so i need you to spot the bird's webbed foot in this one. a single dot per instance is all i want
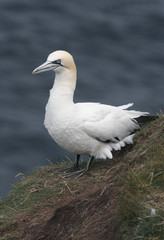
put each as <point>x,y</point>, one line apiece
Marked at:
<point>74,168</point>
<point>76,174</point>
<point>70,169</point>
<point>80,172</point>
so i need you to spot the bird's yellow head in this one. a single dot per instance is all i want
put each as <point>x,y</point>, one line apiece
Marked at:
<point>57,61</point>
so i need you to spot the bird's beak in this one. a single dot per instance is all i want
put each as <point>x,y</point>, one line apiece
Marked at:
<point>47,66</point>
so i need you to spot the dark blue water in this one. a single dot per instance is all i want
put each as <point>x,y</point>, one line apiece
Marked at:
<point>118,47</point>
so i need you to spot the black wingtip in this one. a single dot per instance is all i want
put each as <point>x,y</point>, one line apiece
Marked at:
<point>145,119</point>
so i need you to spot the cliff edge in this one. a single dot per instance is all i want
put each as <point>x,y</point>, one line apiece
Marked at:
<point>122,198</point>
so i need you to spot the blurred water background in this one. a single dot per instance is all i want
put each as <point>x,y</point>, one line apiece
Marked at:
<point>118,46</point>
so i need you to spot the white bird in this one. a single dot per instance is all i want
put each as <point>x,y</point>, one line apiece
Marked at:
<point>84,128</point>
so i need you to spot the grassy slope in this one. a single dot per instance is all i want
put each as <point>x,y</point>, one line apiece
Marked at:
<point>118,199</point>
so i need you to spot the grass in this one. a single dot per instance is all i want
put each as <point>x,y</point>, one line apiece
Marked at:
<point>27,196</point>
<point>140,208</point>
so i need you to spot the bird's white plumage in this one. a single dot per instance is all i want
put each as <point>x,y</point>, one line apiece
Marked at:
<point>84,128</point>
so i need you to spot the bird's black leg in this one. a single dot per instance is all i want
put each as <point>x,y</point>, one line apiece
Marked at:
<point>81,172</point>
<point>75,166</point>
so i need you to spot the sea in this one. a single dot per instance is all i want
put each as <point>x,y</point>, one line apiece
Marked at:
<point>118,47</point>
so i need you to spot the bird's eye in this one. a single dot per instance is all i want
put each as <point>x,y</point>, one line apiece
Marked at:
<point>58,61</point>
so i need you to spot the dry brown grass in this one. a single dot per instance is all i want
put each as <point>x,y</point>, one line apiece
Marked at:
<point>113,201</point>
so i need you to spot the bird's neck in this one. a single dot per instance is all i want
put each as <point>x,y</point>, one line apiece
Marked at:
<point>63,89</point>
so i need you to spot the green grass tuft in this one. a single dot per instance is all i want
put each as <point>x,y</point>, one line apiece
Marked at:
<point>27,196</point>
<point>141,210</point>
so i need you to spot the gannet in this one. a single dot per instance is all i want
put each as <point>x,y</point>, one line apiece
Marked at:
<point>84,128</point>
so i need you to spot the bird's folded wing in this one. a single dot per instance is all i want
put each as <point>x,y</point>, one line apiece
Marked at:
<point>114,126</point>
<point>108,123</point>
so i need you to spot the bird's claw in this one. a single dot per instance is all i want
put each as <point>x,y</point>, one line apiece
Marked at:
<point>67,170</point>
<point>76,174</point>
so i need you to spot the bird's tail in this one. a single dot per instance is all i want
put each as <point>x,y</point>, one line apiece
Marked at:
<point>132,113</point>
<point>136,114</point>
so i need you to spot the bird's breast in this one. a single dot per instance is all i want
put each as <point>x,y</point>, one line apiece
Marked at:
<point>62,126</point>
